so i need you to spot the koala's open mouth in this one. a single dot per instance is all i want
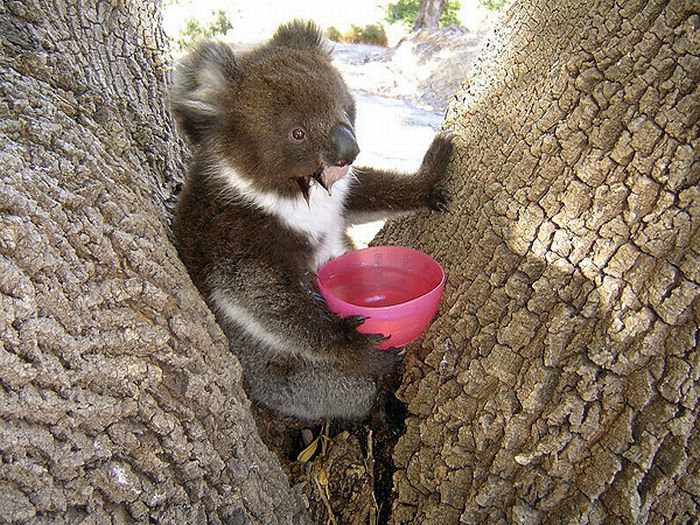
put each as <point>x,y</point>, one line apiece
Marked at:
<point>326,176</point>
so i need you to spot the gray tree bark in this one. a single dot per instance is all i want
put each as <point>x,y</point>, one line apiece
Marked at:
<point>429,12</point>
<point>119,399</point>
<point>559,383</point>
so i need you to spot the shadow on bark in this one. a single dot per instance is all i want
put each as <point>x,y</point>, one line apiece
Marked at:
<point>559,382</point>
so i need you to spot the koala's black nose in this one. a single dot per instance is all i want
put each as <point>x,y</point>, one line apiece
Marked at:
<point>345,148</point>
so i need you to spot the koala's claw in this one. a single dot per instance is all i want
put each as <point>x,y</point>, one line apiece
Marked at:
<point>317,297</point>
<point>370,360</point>
<point>355,320</point>
<point>393,350</point>
<point>439,200</point>
<point>377,339</point>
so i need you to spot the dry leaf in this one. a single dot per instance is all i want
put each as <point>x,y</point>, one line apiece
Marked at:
<point>306,454</point>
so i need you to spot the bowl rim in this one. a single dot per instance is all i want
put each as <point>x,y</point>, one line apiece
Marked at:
<point>325,291</point>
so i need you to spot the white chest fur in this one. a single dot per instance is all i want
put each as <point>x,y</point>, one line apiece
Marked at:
<point>321,220</point>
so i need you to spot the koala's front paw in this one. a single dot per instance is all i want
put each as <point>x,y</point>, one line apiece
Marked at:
<point>363,357</point>
<point>438,199</point>
<point>438,156</point>
<point>434,169</point>
<point>346,327</point>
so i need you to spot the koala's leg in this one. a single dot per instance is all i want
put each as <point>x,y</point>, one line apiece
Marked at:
<point>379,193</point>
<point>311,392</point>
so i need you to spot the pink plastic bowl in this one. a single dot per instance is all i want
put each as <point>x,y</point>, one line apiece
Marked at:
<point>398,289</point>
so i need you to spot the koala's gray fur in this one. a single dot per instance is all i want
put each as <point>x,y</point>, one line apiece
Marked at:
<point>272,131</point>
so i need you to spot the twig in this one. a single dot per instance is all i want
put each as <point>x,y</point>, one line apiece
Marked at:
<point>322,492</point>
<point>369,465</point>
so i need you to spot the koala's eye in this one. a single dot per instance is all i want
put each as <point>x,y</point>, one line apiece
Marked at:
<point>298,134</point>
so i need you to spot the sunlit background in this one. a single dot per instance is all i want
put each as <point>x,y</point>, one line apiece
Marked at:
<point>253,20</point>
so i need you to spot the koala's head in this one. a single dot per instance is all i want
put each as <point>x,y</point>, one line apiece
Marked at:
<point>280,115</point>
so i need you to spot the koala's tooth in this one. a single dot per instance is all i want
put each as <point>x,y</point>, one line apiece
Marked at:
<point>328,184</point>
<point>304,185</point>
<point>323,182</point>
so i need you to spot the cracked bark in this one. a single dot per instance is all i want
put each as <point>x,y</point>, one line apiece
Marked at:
<point>559,383</point>
<point>119,399</point>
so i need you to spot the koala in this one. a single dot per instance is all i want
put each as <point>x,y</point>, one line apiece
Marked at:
<point>267,199</point>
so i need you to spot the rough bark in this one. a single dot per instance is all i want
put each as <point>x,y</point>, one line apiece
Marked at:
<point>119,399</point>
<point>559,383</point>
<point>428,16</point>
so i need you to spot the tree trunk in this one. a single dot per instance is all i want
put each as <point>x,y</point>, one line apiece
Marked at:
<point>559,383</point>
<point>429,12</point>
<point>119,398</point>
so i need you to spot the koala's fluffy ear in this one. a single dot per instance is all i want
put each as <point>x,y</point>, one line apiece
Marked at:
<point>302,35</point>
<point>197,84</point>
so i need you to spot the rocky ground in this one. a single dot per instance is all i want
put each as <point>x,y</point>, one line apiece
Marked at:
<point>425,69</point>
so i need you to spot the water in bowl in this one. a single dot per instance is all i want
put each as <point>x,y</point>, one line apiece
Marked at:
<point>373,287</point>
